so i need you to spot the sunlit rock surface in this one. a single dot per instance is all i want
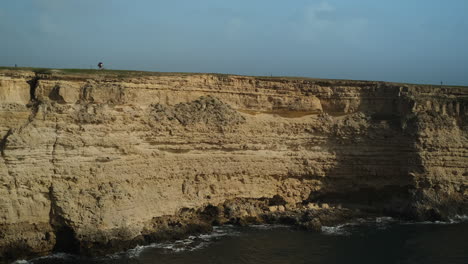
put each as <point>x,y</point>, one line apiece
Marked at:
<point>92,160</point>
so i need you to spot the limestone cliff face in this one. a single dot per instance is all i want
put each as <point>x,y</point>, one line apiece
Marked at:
<point>88,160</point>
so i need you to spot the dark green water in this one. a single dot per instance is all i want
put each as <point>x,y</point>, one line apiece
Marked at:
<point>380,241</point>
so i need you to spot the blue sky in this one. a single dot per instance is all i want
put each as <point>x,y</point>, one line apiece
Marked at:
<point>420,41</point>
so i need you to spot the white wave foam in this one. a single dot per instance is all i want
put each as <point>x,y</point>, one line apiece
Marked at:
<point>191,243</point>
<point>338,230</point>
<point>54,256</point>
<point>459,218</point>
<point>58,256</point>
<point>131,253</point>
<point>21,261</point>
<point>268,227</point>
<point>385,219</point>
<point>384,222</point>
<point>455,220</point>
<point>346,229</point>
<point>434,222</point>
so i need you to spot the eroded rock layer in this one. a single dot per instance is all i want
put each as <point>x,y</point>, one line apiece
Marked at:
<point>89,161</point>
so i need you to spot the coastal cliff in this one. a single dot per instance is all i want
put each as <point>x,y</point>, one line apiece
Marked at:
<point>95,161</point>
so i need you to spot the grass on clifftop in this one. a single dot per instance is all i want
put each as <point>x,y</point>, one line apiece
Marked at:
<point>131,73</point>
<point>114,73</point>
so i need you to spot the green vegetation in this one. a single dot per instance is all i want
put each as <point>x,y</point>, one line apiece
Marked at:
<point>130,73</point>
<point>114,73</point>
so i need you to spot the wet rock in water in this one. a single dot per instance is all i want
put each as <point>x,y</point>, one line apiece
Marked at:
<point>312,225</point>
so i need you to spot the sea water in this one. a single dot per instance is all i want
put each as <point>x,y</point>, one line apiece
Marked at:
<point>381,240</point>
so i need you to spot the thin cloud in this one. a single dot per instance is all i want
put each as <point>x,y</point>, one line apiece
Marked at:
<point>46,25</point>
<point>60,18</point>
<point>234,27</point>
<point>322,22</point>
<point>319,17</point>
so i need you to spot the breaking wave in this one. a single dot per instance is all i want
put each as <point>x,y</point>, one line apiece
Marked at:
<point>268,226</point>
<point>347,229</point>
<point>57,256</point>
<point>191,243</point>
<point>381,223</point>
<point>201,241</point>
<point>339,230</point>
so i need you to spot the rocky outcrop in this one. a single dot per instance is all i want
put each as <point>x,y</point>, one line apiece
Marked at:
<point>101,161</point>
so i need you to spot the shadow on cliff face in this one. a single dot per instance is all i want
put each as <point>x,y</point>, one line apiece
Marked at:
<point>440,190</point>
<point>33,83</point>
<point>65,237</point>
<point>55,95</point>
<point>373,162</point>
<point>375,156</point>
<point>382,163</point>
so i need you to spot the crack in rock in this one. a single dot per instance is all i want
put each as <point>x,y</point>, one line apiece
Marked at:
<point>54,147</point>
<point>4,141</point>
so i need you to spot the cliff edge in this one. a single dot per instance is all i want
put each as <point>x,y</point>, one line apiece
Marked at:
<point>92,162</point>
